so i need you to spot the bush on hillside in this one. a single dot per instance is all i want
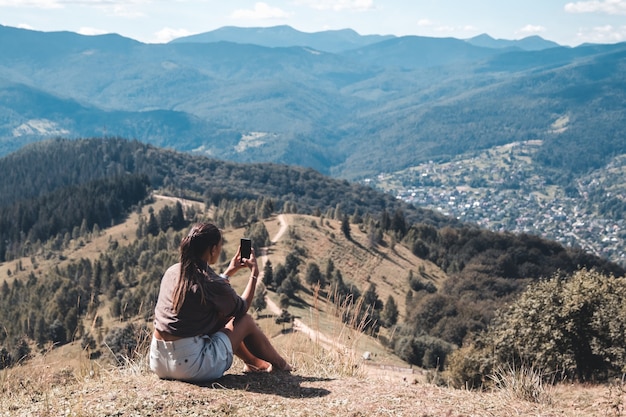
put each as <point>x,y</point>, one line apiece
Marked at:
<point>126,342</point>
<point>567,328</point>
<point>425,351</point>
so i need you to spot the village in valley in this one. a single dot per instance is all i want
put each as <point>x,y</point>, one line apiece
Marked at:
<point>501,190</point>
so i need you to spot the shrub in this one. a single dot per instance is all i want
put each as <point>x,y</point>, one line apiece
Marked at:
<point>574,327</point>
<point>466,367</point>
<point>126,342</point>
<point>6,360</point>
<point>425,351</point>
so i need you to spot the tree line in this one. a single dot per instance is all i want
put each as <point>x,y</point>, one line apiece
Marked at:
<point>101,202</point>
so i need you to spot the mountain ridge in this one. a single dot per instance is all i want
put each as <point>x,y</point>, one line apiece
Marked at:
<point>529,43</point>
<point>286,36</point>
<point>299,97</point>
<point>340,40</point>
<point>382,108</point>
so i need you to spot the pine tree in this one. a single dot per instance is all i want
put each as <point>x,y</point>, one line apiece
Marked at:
<point>314,275</point>
<point>6,360</point>
<point>389,315</point>
<point>280,274</point>
<point>330,269</point>
<point>345,227</point>
<point>5,289</point>
<point>291,263</point>
<point>258,302</point>
<point>268,274</point>
<point>370,298</point>
<point>165,218</point>
<point>152,227</point>
<point>178,217</point>
<point>398,223</point>
<point>337,214</point>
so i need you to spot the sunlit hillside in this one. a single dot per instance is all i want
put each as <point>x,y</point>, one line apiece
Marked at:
<point>331,377</point>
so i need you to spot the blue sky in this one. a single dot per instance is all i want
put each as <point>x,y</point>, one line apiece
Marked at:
<point>566,22</point>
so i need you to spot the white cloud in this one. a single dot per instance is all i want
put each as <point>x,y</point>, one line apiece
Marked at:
<point>613,7</point>
<point>121,8</point>
<point>261,11</point>
<point>532,29</point>
<point>603,34</point>
<point>25,26</point>
<point>38,4</point>
<point>338,5</point>
<point>56,4</point>
<point>469,28</point>
<point>444,29</point>
<point>89,31</point>
<point>424,23</point>
<point>167,34</point>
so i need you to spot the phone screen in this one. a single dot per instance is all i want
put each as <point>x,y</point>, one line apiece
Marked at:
<point>246,248</point>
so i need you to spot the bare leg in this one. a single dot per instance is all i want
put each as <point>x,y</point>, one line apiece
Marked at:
<point>244,331</point>
<point>254,363</point>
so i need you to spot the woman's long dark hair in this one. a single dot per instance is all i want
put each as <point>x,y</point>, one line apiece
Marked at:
<point>201,237</point>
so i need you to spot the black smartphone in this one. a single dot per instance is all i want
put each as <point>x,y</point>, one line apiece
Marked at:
<point>246,248</point>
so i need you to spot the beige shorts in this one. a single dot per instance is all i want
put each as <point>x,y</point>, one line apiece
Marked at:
<point>192,359</point>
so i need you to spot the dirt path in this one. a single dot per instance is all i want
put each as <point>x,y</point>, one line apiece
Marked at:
<point>298,325</point>
<point>318,336</point>
<point>283,228</point>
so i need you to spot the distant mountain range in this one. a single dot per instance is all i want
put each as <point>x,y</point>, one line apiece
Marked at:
<point>530,43</point>
<point>347,105</point>
<point>286,36</point>
<point>336,40</point>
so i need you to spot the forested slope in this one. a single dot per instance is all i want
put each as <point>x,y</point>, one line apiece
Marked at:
<point>102,181</point>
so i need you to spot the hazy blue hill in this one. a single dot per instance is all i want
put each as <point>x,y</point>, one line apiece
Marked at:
<point>420,52</point>
<point>530,43</point>
<point>167,76</point>
<point>381,107</point>
<point>208,91</point>
<point>535,43</point>
<point>35,113</point>
<point>286,36</point>
<point>584,85</point>
<point>30,102</point>
<point>46,47</point>
<point>519,61</point>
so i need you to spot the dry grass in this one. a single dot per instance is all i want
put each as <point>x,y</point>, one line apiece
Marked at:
<point>525,383</point>
<point>359,263</point>
<point>327,381</point>
<point>317,388</point>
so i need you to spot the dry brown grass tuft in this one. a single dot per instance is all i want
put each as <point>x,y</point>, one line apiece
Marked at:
<point>523,383</point>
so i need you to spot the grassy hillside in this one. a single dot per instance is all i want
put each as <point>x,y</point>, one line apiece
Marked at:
<point>321,240</point>
<point>49,387</point>
<point>329,379</point>
<point>93,285</point>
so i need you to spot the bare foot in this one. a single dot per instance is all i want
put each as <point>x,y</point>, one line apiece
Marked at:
<point>248,368</point>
